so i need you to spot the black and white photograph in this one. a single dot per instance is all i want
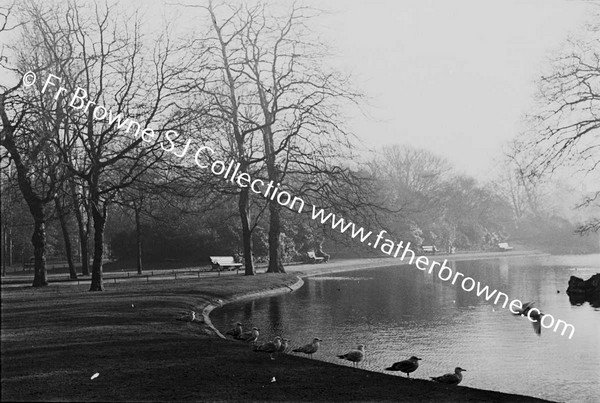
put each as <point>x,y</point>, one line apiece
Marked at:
<point>300,200</point>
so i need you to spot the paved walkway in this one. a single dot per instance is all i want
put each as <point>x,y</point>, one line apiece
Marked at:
<point>304,269</point>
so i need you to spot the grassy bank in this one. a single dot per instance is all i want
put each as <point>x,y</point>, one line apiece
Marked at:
<point>54,339</point>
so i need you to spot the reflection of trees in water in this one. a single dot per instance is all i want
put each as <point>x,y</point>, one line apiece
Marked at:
<point>275,316</point>
<point>503,269</point>
<point>314,289</point>
<point>248,310</point>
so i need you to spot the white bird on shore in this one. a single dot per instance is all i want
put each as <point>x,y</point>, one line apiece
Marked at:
<point>406,366</point>
<point>270,347</point>
<point>236,331</point>
<point>450,379</point>
<point>355,356</point>
<point>250,336</point>
<point>284,346</point>
<point>310,348</point>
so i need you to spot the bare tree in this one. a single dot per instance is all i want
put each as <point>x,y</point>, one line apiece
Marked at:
<point>566,130</point>
<point>34,157</point>
<point>104,77</point>
<point>27,138</point>
<point>62,212</point>
<point>411,179</point>
<point>227,96</point>
<point>280,90</point>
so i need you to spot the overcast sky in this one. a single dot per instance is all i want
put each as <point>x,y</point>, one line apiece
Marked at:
<point>455,77</point>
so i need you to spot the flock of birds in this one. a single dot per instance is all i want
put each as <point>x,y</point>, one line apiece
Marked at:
<point>281,345</point>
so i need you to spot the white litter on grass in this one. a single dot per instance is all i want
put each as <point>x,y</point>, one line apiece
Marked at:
<point>273,380</point>
<point>96,375</point>
<point>132,306</point>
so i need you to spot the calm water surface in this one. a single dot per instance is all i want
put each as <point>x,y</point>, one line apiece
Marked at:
<point>401,311</point>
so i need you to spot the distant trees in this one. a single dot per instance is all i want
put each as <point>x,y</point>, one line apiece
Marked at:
<point>428,203</point>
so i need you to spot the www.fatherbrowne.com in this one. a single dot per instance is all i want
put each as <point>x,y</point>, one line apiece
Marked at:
<point>230,172</point>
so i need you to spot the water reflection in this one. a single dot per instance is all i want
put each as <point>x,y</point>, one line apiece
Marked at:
<point>400,311</point>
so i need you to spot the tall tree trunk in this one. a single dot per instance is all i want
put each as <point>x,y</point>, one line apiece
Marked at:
<point>83,232</point>
<point>243,205</point>
<point>99,216</point>
<point>38,239</point>
<point>34,201</point>
<point>138,233</point>
<point>4,248</point>
<point>243,202</point>
<point>65,230</point>
<point>275,265</point>
<point>88,231</point>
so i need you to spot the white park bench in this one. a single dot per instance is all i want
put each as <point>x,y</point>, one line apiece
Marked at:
<point>504,246</point>
<point>224,263</point>
<point>429,249</point>
<point>314,258</point>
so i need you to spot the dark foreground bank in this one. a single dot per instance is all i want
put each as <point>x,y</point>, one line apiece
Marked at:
<point>138,338</point>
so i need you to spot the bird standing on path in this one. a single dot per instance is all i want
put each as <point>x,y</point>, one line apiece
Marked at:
<point>450,379</point>
<point>355,356</point>
<point>406,366</point>
<point>237,331</point>
<point>310,348</point>
<point>270,347</point>
<point>251,336</point>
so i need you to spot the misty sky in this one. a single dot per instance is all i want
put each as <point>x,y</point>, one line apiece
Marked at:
<point>455,77</point>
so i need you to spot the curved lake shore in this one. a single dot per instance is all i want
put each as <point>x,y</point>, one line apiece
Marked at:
<point>139,338</point>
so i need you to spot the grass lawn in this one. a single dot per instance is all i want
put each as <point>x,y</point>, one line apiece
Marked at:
<point>55,338</point>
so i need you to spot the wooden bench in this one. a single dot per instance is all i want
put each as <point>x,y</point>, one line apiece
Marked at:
<point>312,258</point>
<point>224,262</point>
<point>504,246</point>
<point>429,249</point>
<point>29,264</point>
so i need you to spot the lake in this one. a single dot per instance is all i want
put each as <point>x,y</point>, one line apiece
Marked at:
<point>397,312</point>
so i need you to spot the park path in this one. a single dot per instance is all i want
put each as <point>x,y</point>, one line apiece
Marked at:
<point>303,269</point>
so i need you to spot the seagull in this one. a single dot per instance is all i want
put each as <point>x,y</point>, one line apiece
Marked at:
<point>250,336</point>
<point>236,331</point>
<point>309,349</point>
<point>450,379</point>
<point>524,309</point>
<point>535,315</point>
<point>270,347</point>
<point>355,356</point>
<point>284,346</point>
<point>406,366</point>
